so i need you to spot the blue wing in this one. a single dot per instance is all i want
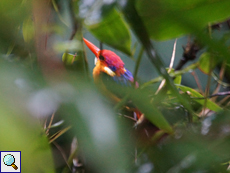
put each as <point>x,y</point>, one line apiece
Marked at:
<point>125,80</point>
<point>117,83</point>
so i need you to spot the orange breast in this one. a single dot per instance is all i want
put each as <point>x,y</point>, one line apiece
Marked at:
<point>96,75</point>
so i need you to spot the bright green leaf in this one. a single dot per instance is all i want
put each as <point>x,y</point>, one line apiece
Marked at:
<point>178,79</point>
<point>207,62</point>
<point>68,58</point>
<point>28,30</point>
<point>209,104</point>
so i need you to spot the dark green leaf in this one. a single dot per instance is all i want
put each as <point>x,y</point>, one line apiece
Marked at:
<point>165,19</point>
<point>141,100</point>
<point>137,25</point>
<point>113,31</point>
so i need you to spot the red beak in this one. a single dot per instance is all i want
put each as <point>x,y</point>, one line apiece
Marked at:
<point>92,47</point>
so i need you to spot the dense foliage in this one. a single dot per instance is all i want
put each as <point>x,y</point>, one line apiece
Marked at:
<point>54,114</point>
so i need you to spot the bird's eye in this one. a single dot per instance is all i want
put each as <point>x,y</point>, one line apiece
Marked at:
<point>101,58</point>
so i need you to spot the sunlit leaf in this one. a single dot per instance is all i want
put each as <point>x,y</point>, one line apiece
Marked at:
<point>166,19</point>
<point>178,79</point>
<point>28,30</point>
<point>207,62</point>
<point>68,58</point>
<point>209,104</point>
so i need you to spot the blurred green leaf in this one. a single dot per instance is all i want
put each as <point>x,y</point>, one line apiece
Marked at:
<point>207,62</point>
<point>178,79</point>
<point>21,132</point>
<point>165,19</point>
<point>190,151</point>
<point>100,134</point>
<point>28,30</point>
<point>112,30</point>
<point>141,100</point>
<point>209,104</point>
<point>143,103</point>
<point>72,45</point>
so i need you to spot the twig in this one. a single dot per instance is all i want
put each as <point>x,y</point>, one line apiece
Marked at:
<point>50,123</point>
<point>213,95</point>
<point>170,66</point>
<point>58,134</point>
<point>215,77</point>
<point>62,153</point>
<point>197,82</point>
<point>189,54</point>
<point>221,76</point>
<point>223,100</point>
<point>207,88</point>
<point>137,65</point>
<point>172,74</point>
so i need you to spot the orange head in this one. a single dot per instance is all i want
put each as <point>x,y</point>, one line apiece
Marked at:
<point>106,61</point>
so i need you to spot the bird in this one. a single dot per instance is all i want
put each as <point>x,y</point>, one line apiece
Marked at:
<point>109,66</point>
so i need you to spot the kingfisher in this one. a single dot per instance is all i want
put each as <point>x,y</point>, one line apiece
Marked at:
<point>108,64</point>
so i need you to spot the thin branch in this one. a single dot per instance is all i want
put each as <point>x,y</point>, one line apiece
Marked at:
<point>213,95</point>
<point>62,153</point>
<point>208,87</point>
<point>197,82</point>
<point>170,66</point>
<point>215,77</point>
<point>189,54</point>
<point>137,65</point>
<point>221,76</point>
<point>172,74</point>
<point>50,123</point>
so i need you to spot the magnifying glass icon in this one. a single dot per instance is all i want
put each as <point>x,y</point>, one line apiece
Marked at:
<point>9,160</point>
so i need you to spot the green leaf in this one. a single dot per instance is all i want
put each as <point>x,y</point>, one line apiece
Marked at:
<point>171,18</point>
<point>22,133</point>
<point>99,132</point>
<point>178,79</point>
<point>207,62</point>
<point>209,104</point>
<point>142,101</point>
<point>68,58</point>
<point>113,31</point>
<point>28,30</point>
<point>139,29</point>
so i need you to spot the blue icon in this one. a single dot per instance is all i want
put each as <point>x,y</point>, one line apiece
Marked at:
<point>9,160</point>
